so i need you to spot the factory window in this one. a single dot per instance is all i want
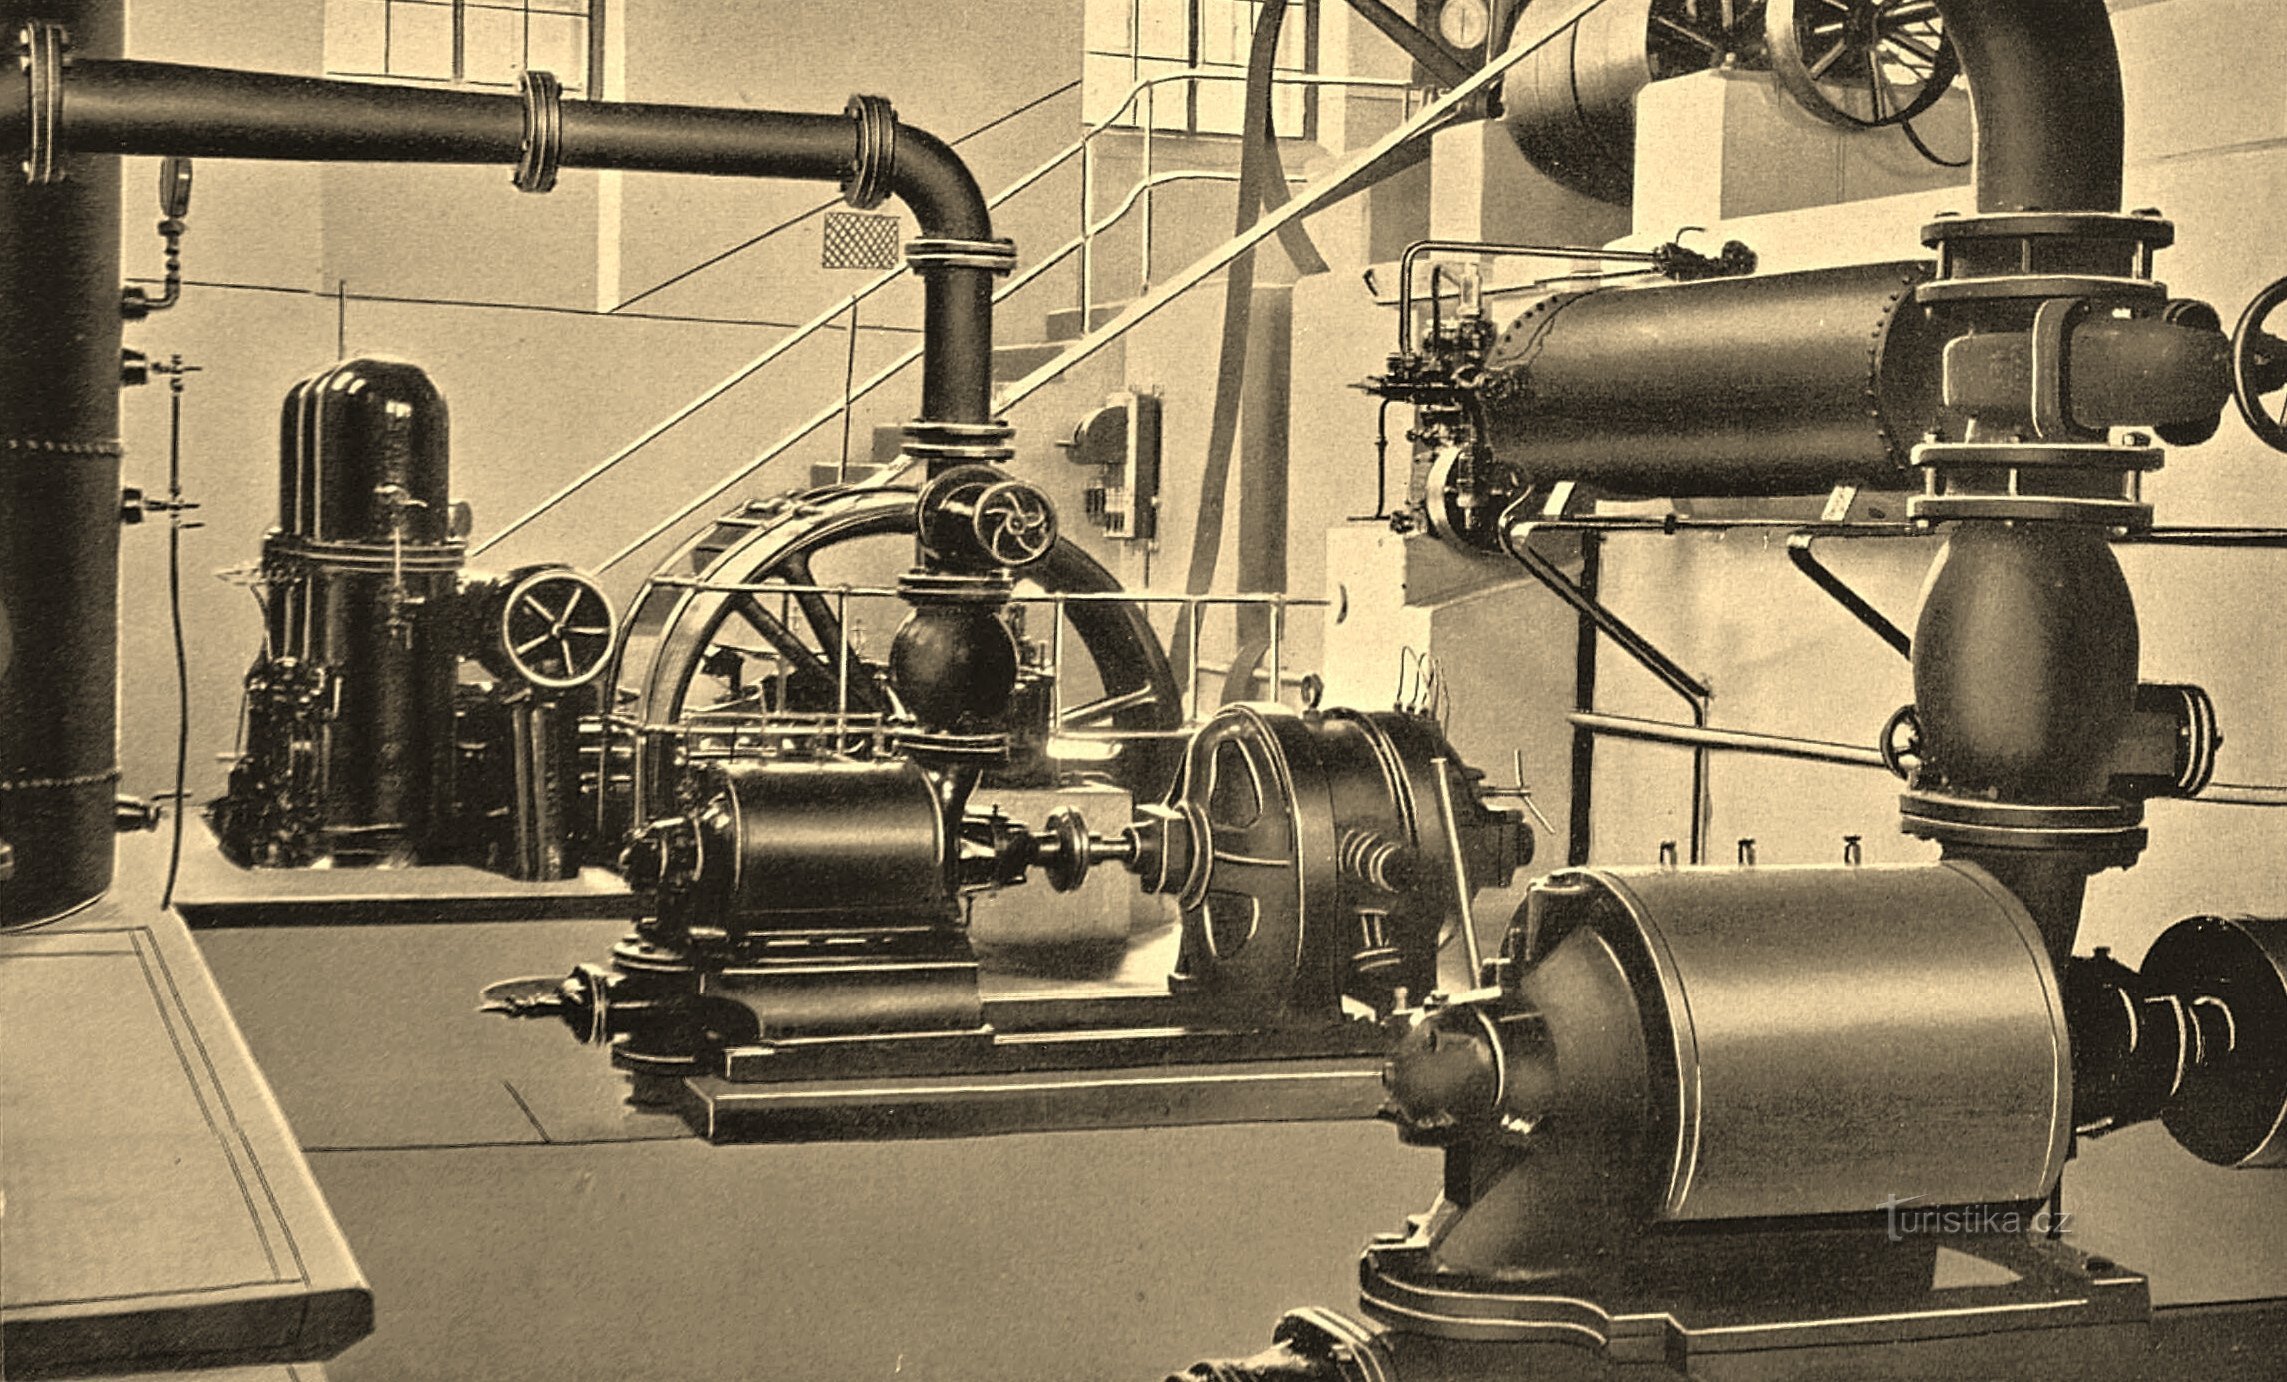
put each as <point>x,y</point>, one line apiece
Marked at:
<point>464,42</point>
<point>1131,40</point>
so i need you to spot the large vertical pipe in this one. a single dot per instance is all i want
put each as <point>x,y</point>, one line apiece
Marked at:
<point>2044,88</point>
<point>2026,649</point>
<point>59,505</point>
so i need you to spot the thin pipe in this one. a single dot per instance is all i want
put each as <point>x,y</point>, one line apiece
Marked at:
<point>1729,740</point>
<point>1449,821</point>
<point>1418,248</point>
<point>1256,599</point>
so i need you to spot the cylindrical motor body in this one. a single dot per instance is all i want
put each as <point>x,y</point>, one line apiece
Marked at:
<point>1813,1041</point>
<point>1571,103</point>
<point>1773,384</point>
<point>790,845</point>
<point>350,708</point>
<point>1839,1035</point>
<point>59,506</point>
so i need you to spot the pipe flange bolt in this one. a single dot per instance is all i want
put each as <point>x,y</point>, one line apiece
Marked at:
<point>874,164</point>
<point>993,256</point>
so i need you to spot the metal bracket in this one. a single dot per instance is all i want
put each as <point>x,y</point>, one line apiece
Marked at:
<point>542,153</point>
<point>41,55</point>
<point>1799,552</point>
<point>1516,538</point>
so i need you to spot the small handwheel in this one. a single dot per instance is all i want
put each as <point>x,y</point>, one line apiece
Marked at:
<point>2259,367</point>
<point>1861,64</point>
<point>557,628</point>
<point>1014,523</point>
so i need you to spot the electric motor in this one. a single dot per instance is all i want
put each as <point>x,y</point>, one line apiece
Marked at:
<point>784,845</point>
<point>1683,1045</point>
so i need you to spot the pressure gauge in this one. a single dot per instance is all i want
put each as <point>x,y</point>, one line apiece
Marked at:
<point>1464,24</point>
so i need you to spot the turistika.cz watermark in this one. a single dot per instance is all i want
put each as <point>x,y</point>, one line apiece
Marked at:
<point>1906,1218</point>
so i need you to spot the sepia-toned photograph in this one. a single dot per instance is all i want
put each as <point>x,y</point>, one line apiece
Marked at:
<point>1077,690</point>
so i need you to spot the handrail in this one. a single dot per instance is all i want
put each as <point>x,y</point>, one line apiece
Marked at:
<point>675,419</point>
<point>843,305</point>
<point>1319,196</point>
<point>1148,88</point>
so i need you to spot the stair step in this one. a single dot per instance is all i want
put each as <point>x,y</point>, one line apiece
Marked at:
<point>889,439</point>
<point>824,473</point>
<point>1017,361</point>
<point>1064,323</point>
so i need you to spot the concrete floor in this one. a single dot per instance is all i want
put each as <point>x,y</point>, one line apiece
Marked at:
<point>518,1221</point>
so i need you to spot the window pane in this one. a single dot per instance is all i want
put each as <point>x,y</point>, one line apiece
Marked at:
<point>1166,28</point>
<point>559,44</point>
<point>356,33</point>
<point>577,7</point>
<point>1289,106</point>
<point>1223,104</point>
<point>492,45</point>
<point>1294,40</point>
<point>421,40</point>
<point>1224,30</point>
<point>1106,26</point>
<point>1169,109</point>
<point>1108,77</point>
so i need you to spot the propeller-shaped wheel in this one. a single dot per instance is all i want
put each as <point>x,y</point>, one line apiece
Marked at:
<point>1015,523</point>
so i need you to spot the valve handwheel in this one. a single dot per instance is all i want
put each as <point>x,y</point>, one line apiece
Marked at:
<point>1861,64</point>
<point>1015,523</point>
<point>557,628</point>
<point>2259,367</point>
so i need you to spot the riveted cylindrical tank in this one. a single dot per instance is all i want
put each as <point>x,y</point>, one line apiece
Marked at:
<point>59,505</point>
<point>1772,384</point>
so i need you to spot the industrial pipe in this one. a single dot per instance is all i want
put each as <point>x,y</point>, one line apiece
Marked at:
<point>2025,651</point>
<point>121,107</point>
<point>2044,93</point>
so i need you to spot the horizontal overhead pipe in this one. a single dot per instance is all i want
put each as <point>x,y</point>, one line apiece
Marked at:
<point>123,107</point>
